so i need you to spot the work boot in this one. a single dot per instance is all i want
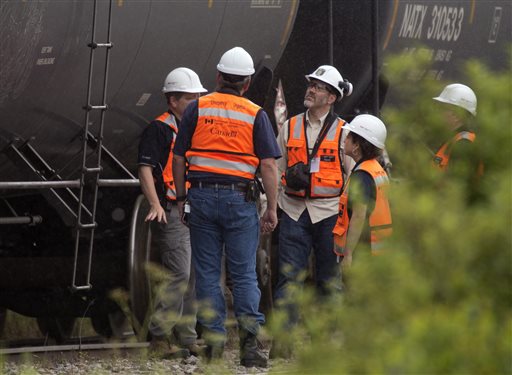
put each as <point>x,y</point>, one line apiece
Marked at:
<point>250,353</point>
<point>159,347</point>
<point>196,349</point>
<point>176,352</point>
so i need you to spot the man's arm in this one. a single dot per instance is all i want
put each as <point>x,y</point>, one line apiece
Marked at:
<point>147,185</point>
<point>268,169</point>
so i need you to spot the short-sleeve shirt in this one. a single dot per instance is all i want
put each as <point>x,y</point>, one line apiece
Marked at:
<point>154,148</point>
<point>265,145</point>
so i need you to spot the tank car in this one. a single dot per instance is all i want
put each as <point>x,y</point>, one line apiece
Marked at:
<point>81,79</point>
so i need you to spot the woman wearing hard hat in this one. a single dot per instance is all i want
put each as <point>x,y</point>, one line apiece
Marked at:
<point>364,214</point>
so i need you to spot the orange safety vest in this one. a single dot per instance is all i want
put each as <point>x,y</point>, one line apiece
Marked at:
<point>170,120</point>
<point>328,181</point>
<point>380,218</point>
<point>442,156</point>
<point>222,142</point>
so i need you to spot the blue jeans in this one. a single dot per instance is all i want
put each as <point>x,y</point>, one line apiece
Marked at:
<point>221,220</point>
<point>296,239</point>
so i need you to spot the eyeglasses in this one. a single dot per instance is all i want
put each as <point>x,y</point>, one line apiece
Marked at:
<point>317,86</point>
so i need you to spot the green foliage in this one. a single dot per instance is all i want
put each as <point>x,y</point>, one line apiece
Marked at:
<point>441,301</point>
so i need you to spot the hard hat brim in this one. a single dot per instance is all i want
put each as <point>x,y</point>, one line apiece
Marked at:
<point>188,91</point>
<point>311,76</point>
<point>443,100</point>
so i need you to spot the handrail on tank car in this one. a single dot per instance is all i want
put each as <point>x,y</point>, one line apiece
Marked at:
<point>11,185</point>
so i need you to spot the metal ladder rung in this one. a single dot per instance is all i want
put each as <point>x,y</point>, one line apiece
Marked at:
<point>91,107</point>
<point>82,287</point>
<point>100,45</point>
<point>87,226</point>
<point>93,170</point>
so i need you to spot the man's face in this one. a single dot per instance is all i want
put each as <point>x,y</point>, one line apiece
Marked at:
<point>318,95</point>
<point>179,106</point>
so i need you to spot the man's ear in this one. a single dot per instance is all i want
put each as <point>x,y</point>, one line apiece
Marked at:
<point>331,99</point>
<point>246,85</point>
<point>173,102</point>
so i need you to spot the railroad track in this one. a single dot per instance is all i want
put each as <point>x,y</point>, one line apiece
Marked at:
<point>87,344</point>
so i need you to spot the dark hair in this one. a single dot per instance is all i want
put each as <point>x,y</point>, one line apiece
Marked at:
<point>176,94</point>
<point>368,151</point>
<point>233,81</point>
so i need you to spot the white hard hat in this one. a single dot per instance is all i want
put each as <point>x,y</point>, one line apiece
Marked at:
<point>183,80</point>
<point>370,128</point>
<point>330,75</point>
<point>236,61</point>
<point>459,95</point>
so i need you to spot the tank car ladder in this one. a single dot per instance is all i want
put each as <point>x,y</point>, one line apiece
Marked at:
<point>95,170</point>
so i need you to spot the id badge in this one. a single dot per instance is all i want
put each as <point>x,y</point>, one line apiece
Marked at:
<point>315,164</point>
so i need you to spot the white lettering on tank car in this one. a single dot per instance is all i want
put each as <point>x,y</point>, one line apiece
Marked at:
<point>412,23</point>
<point>495,25</point>
<point>266,3</point>
<point>446,23</point>
<point>47,49</point>
<point>46,61</point>
<point>143,99</point>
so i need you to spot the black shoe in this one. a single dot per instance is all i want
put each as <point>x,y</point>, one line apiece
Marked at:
<point>250,354</point>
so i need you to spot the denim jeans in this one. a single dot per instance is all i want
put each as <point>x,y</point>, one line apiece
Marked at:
<point>221,220</point>
<point>175,305</point>
<point>296,240</point>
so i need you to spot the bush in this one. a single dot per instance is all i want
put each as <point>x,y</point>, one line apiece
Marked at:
<point>440,302</point>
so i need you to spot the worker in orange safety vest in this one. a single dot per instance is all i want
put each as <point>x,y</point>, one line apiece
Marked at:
<point>364,214</point>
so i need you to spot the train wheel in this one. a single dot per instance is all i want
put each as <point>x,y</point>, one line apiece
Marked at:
<point>140,254</point>
<point>110,325</point>
<point>59,328</point>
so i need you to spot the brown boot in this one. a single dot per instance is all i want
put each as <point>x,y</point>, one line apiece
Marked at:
<point>176,352</point>
<point>196,349</point>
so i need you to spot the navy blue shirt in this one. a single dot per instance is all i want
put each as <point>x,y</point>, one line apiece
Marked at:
<point>154,148</point>
<point>265,144</point>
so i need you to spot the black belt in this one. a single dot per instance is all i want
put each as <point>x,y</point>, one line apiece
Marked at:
<point>237,186</point>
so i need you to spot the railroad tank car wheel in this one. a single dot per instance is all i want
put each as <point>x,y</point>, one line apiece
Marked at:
<point>263,271</point>
<point>140,254</point>
<point>57,328</point>
<point>110,325</point>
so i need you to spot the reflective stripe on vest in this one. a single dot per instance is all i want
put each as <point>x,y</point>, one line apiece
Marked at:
<point>380,219</point>
<point>442,157</point>
<point>328,181</point>
<point>222,142</point>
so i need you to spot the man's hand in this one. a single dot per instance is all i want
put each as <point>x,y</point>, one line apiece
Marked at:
<point>268,221</point>
<point>158,213</point>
